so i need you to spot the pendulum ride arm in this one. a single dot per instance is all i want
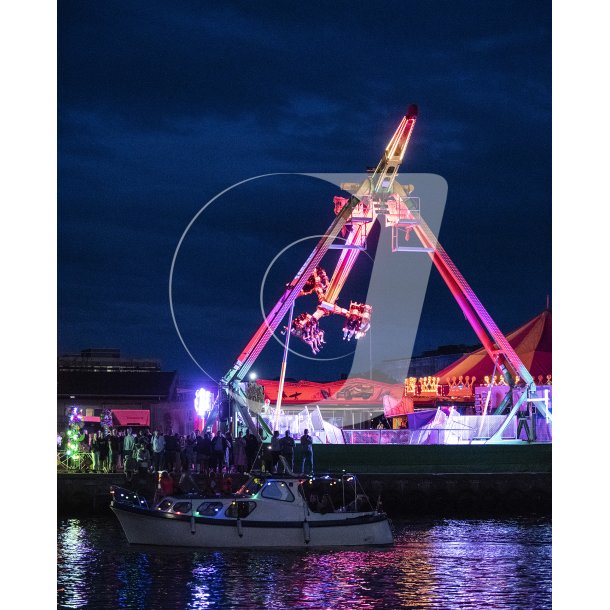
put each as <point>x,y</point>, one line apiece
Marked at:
<point>254,347</point>
<point>372,193</point>
<point>378,186</point>
<point>276,315</point>
<point>504,356</point>
<point>280,389</point>
<point>380,183</point>
<point>370,200</point>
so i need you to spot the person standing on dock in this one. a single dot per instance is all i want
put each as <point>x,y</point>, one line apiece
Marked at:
<point>306,451</point>
<point>128,444</point>
<point>522,422</point>
<point>102,442</point>
<point>95,452</point>
<point>239,454</point>
<point>171,450</point>
<point>189,451</point>
<point>158,450</point>
<point>276,450</point>
<point>252,446</point>
<point>229,450</point>
<point>142,456</point>
<point>203,450</point>
<point>113,444</point>
<point>287,444</point>
<point>219,447</point>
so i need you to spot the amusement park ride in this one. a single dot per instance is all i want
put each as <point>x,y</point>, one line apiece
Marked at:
<point>379,195</point>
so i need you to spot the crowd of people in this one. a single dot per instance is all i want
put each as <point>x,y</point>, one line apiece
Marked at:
<point>199,452</point>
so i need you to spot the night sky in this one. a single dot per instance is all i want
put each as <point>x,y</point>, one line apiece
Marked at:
<point>164,105</point>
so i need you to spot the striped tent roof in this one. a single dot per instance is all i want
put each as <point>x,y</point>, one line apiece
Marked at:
<point>532,342</point>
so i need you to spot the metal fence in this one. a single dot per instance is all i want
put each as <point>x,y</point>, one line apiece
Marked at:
<point>464,431</point>
<point>77,462</point>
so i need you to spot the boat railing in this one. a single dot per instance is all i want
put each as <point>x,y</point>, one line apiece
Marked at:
<point>335,493</point>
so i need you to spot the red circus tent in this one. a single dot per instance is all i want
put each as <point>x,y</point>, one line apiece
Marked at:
<point>532,342</point>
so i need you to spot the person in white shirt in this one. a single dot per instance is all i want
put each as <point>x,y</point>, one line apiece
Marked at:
<point>158,447</point>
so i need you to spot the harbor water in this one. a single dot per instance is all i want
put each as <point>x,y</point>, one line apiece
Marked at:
<point>440,564</point>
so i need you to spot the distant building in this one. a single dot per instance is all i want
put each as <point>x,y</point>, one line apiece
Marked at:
<point>427,363</point>
<point>106,360</point>
<point>98,379</point>
<point>178,413</point>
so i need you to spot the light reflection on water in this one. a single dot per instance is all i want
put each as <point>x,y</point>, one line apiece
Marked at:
<point>74,563</point>
<point>433,565</point>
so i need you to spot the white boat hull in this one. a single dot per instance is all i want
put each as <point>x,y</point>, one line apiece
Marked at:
<point>143,527</point>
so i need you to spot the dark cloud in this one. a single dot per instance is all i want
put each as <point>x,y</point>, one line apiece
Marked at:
<point>162,105</point>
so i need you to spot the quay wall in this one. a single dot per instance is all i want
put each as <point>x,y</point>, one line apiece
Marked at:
<point>434,459</point>
<point>419,481</point>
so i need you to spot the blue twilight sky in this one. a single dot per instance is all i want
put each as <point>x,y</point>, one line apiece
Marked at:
<point>163,105</point>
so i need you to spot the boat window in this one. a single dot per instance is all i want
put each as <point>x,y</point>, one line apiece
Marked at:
<point>277,490</point>
<point>182,507</point>
<point>240,509</point>
<point>165,505</point>
<point>252,486</point>
<point>209,509</point>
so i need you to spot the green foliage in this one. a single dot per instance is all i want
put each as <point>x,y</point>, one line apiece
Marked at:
<point>255,393</point>
<point>106,420</point>
<point>74,435</point>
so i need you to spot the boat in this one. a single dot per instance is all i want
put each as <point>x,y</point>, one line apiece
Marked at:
<point>268,510</point>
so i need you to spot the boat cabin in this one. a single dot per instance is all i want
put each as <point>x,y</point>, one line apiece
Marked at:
<point>265,496</point>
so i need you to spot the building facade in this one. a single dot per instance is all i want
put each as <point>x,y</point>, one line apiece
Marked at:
<point>99,379</point>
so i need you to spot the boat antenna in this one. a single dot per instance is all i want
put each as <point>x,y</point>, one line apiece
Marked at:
<point>256,456</point>
<point>357,484</point>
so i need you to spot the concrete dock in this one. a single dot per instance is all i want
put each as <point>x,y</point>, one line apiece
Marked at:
<point>409,480</point>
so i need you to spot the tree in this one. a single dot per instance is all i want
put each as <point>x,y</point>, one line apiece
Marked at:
<point>255,394</point>
<point>106,420</point>
<point>74,434</point>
